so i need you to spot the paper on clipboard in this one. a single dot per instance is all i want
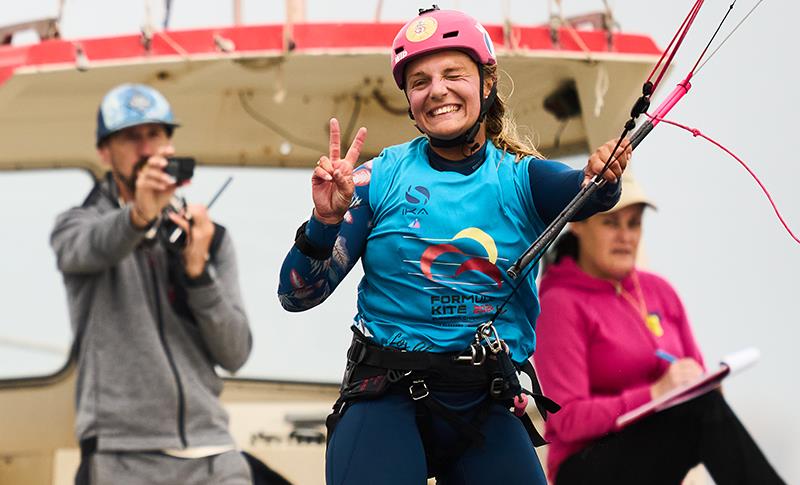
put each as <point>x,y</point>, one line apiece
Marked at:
<point>730,364</point>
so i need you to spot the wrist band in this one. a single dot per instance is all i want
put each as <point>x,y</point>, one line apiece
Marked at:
<point>308,248</point>
<point>148,222</point>
<point>203,279</point>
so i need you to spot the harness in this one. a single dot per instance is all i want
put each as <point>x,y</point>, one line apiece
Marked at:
<point>373,371</point>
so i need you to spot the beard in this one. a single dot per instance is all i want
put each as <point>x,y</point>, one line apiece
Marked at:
<point>129,182</point>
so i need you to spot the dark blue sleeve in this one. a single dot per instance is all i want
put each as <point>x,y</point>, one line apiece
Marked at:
<point>554,184</point>
<point>306,282</point>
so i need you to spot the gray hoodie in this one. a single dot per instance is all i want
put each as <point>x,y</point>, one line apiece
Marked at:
<point>146,378</point>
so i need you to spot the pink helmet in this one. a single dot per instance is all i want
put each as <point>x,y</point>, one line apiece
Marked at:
<point>434,30</point>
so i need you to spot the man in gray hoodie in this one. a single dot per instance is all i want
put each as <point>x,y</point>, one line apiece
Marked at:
<point>151,321</point>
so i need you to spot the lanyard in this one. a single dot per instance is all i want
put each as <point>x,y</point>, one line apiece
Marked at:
<point>638,303</point>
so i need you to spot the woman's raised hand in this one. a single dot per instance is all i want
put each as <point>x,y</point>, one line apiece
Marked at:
<point>598,159</point>
<point>332,182</point>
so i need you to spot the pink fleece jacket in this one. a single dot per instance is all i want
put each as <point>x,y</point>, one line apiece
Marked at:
<point>596,357</point>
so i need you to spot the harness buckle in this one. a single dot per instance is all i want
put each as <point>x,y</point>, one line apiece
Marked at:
<point>477,355</point>
<point>498,387</point>
<point>395,375</point>
<point>418,390</point>
<point>357,351</point>
<point>489,334</point>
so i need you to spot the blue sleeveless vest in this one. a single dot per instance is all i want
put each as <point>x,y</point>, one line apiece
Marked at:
<point>436,259</point>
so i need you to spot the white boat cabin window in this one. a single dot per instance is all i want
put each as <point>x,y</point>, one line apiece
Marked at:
<point>34,324</point>
<point>262,208</point>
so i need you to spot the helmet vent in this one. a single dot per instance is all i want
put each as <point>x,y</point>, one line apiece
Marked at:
<point>399,50</point>
<point>450,34</point>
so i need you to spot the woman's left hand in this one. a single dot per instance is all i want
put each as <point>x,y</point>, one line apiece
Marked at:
<point>598,160</point>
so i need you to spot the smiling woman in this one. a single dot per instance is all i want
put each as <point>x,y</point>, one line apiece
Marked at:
<point>444,95</point>
<point>436,222</point>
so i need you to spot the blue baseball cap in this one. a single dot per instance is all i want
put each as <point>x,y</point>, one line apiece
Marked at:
<point>130,105</point>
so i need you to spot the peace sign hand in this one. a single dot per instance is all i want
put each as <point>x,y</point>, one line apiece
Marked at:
<point>332,182</point>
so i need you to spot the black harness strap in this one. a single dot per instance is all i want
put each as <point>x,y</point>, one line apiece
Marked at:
<point>544,404</point>
<point>372,371</point>
<point>439,461</point>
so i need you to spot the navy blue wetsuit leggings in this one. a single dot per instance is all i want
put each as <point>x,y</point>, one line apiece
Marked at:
<point>378,442</point>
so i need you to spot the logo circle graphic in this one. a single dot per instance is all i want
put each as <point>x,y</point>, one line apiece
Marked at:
<point>422,29</point>
<point>478,264</point>
<point>417,195</point>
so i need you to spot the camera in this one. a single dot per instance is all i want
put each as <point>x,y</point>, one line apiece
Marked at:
<point>180,168</point>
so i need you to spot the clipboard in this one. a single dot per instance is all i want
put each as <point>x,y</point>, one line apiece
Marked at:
<point>730,365</point>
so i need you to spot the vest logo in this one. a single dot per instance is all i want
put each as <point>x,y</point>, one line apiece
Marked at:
<point>417,195</point>
<point>484,265</point>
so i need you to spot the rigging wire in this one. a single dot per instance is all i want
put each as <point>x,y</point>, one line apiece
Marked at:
<point>276,128</point>
<point>576,37</point>
<point>712,38</point>
<point>696,132</point>
<point>558,21</point>
<point>611,21</point>
<point>728,36</point>
<point>659,116</point>
<point>167,12</point>
<point>534,253</point>
<point>677,40</point>
<point>351,124</point>
<point>60,11</point>
<point>172,43</point>
<point>383,102</point>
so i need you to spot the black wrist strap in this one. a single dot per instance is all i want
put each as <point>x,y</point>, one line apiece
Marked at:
<point>203,279</point>
<point>308,248</point>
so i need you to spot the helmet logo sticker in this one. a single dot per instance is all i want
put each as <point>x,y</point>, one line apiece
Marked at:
<point>422,29</point>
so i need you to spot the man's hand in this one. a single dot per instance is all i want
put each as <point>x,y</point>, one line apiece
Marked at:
<point>332,182</point>
<point>154,188</point>
<point>199,230</point>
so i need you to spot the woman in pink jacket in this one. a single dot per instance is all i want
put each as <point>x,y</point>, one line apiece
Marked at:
<point>611,338</point>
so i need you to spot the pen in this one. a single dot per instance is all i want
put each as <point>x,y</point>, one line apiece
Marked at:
<point>663,354</point>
